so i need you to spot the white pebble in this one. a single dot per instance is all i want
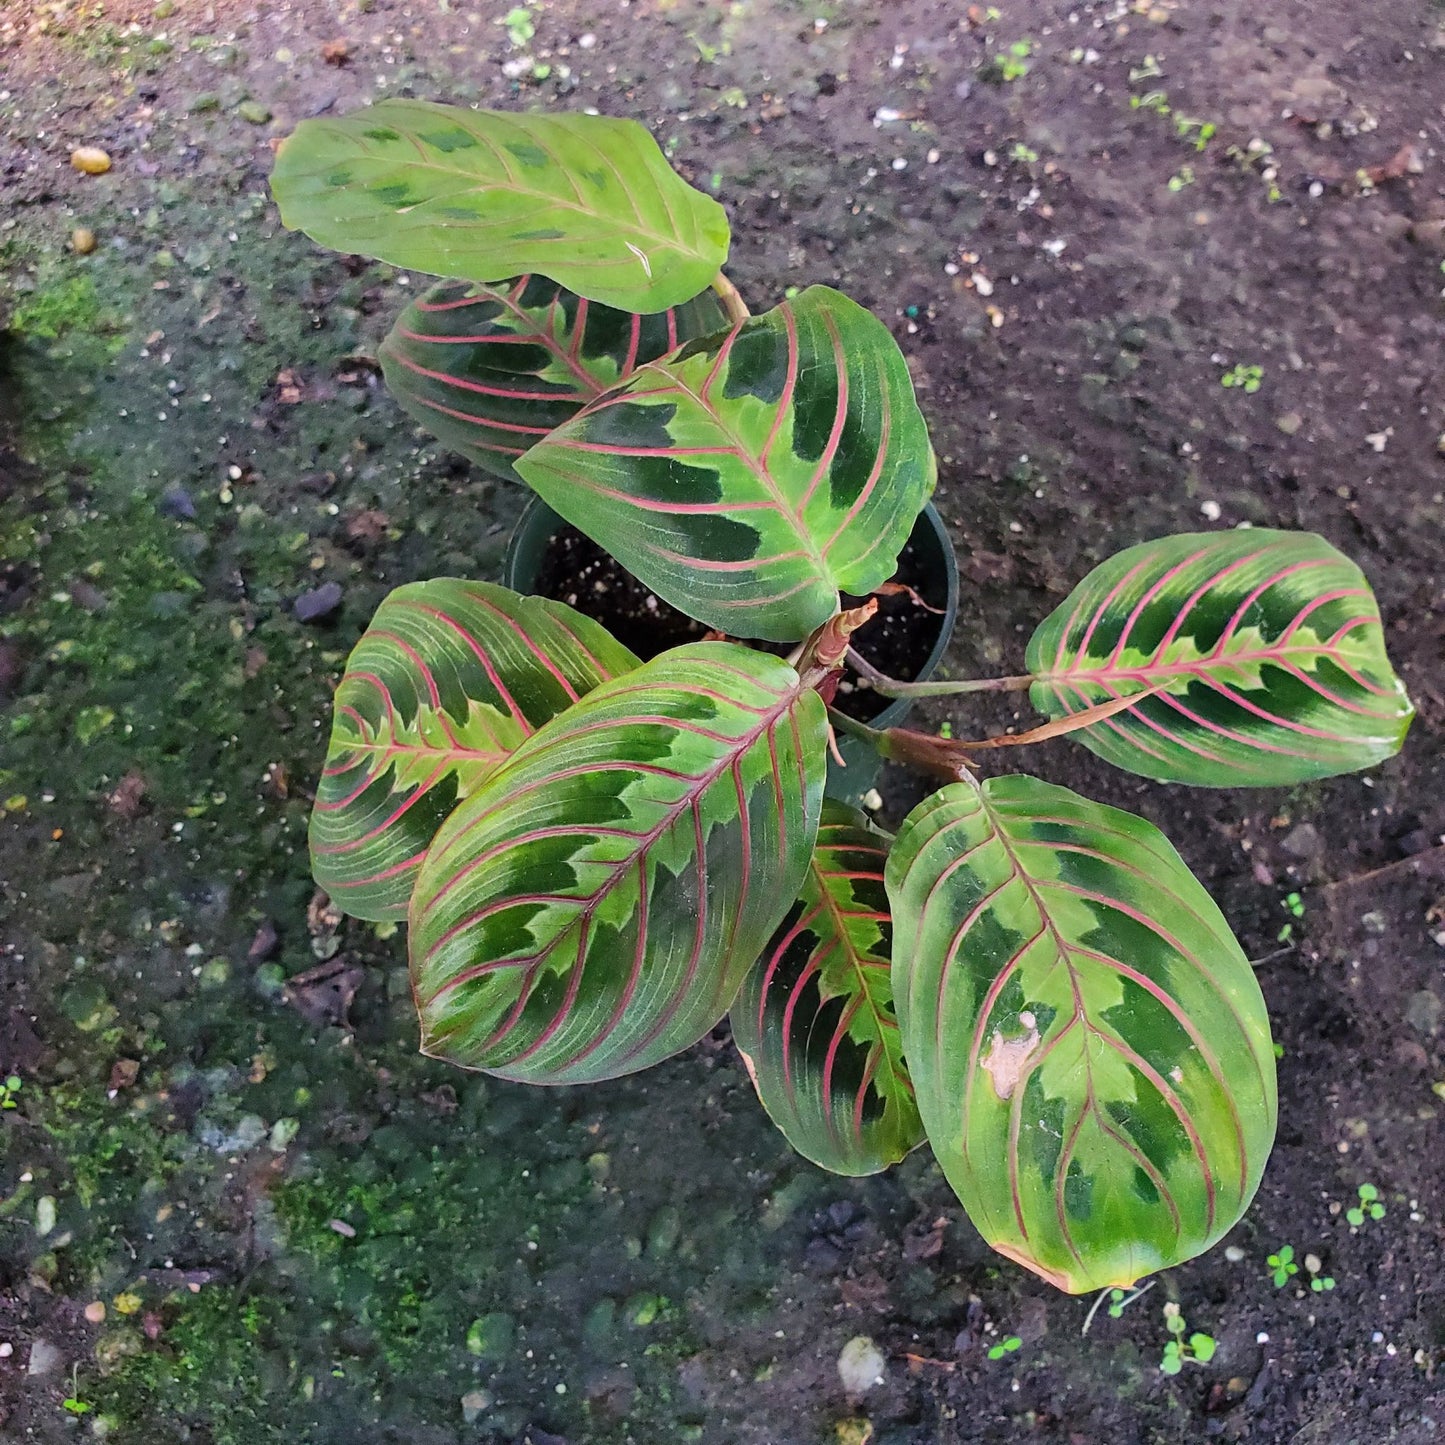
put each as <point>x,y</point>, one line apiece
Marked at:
<point>861,1365</point>
<point>587,41</point>
<point>899,164</point>
<point>1211,510</point>
<point>1262,1338</point>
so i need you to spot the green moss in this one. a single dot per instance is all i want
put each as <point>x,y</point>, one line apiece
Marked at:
<point>65,306</point>
<point>110,1149</point>
<point>213,1366</point>
<point>424,1243</point>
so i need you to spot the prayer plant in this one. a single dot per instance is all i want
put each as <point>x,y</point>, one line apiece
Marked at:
<point>598,858</point>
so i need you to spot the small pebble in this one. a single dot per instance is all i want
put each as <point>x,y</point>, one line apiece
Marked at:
<point>82,240</point>
<point>873,800</point>
<point>95,1312</point>
<point>1233,1253</point>
<point>45,1359</point>
<point>1211,511</point>
<point>1262,1338</point>
<point>320,604</point>
<point>90,160</point>
<point>861,1366</point>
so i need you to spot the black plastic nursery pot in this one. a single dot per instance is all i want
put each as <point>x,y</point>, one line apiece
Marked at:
<point>551,558</point>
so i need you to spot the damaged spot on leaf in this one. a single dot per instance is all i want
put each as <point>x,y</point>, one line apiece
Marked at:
<point>1008,1058</point>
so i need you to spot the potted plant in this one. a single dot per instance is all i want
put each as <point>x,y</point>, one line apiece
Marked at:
<point>599,857</point>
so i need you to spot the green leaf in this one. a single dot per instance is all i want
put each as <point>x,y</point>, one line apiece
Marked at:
<point>593,908</point>
<point>490,370</point>
<point>1261,653</point>
<point>482,195</point>
<point>1088,1044</point>
<point>814,1021</point>
<point>757,473</point>
<point>447,681</point>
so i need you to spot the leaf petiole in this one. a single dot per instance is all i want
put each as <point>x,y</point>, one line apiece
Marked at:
<point>731,298</point>
<point>892,687</point>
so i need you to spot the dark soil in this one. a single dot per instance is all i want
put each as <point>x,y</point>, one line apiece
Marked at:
<point>300,1230</point>
<point>898,640</point>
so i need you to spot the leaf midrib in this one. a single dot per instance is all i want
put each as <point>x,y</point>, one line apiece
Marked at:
<point>1200,665</point>
<point>882,1029</point>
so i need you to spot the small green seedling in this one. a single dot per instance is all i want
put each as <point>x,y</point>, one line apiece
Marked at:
<point>1248,377</point>
<point>1184,176</point>
<point>1198,1347</point>
<point>8,1091</point>
<point>1011,64</point>
<point>520,29</point>
<point>1282,1266</point>
<point>1319,1282</point>
<point>1118,1300</point>
<point>1027,155</point>
<point>1198,132</point>
<point>1005,1346</point>
<point>1156,100</point>
<point>1369,1205</point>
<point>73,1404</point>
<point>1296,908</point>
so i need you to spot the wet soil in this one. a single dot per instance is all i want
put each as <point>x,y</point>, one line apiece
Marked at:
<point>233,1212</point>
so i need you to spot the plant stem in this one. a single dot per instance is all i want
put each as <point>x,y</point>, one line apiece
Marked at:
<point>853,727</point>
<point>732,301</point>
<point>1060,726</point>
<point>891,687</point>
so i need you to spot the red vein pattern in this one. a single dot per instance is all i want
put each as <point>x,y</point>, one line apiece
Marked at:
<point>1074,1007</point>
<point>753,475</point>
<point>489,370</point>
<point>815,1021</point>
<point>593,907</point>
<point>482,195</point>
<point>445,683</point>
<point>1258,657</point>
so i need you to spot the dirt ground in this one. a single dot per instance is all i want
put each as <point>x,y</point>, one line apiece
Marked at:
<point>235,1205</point>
